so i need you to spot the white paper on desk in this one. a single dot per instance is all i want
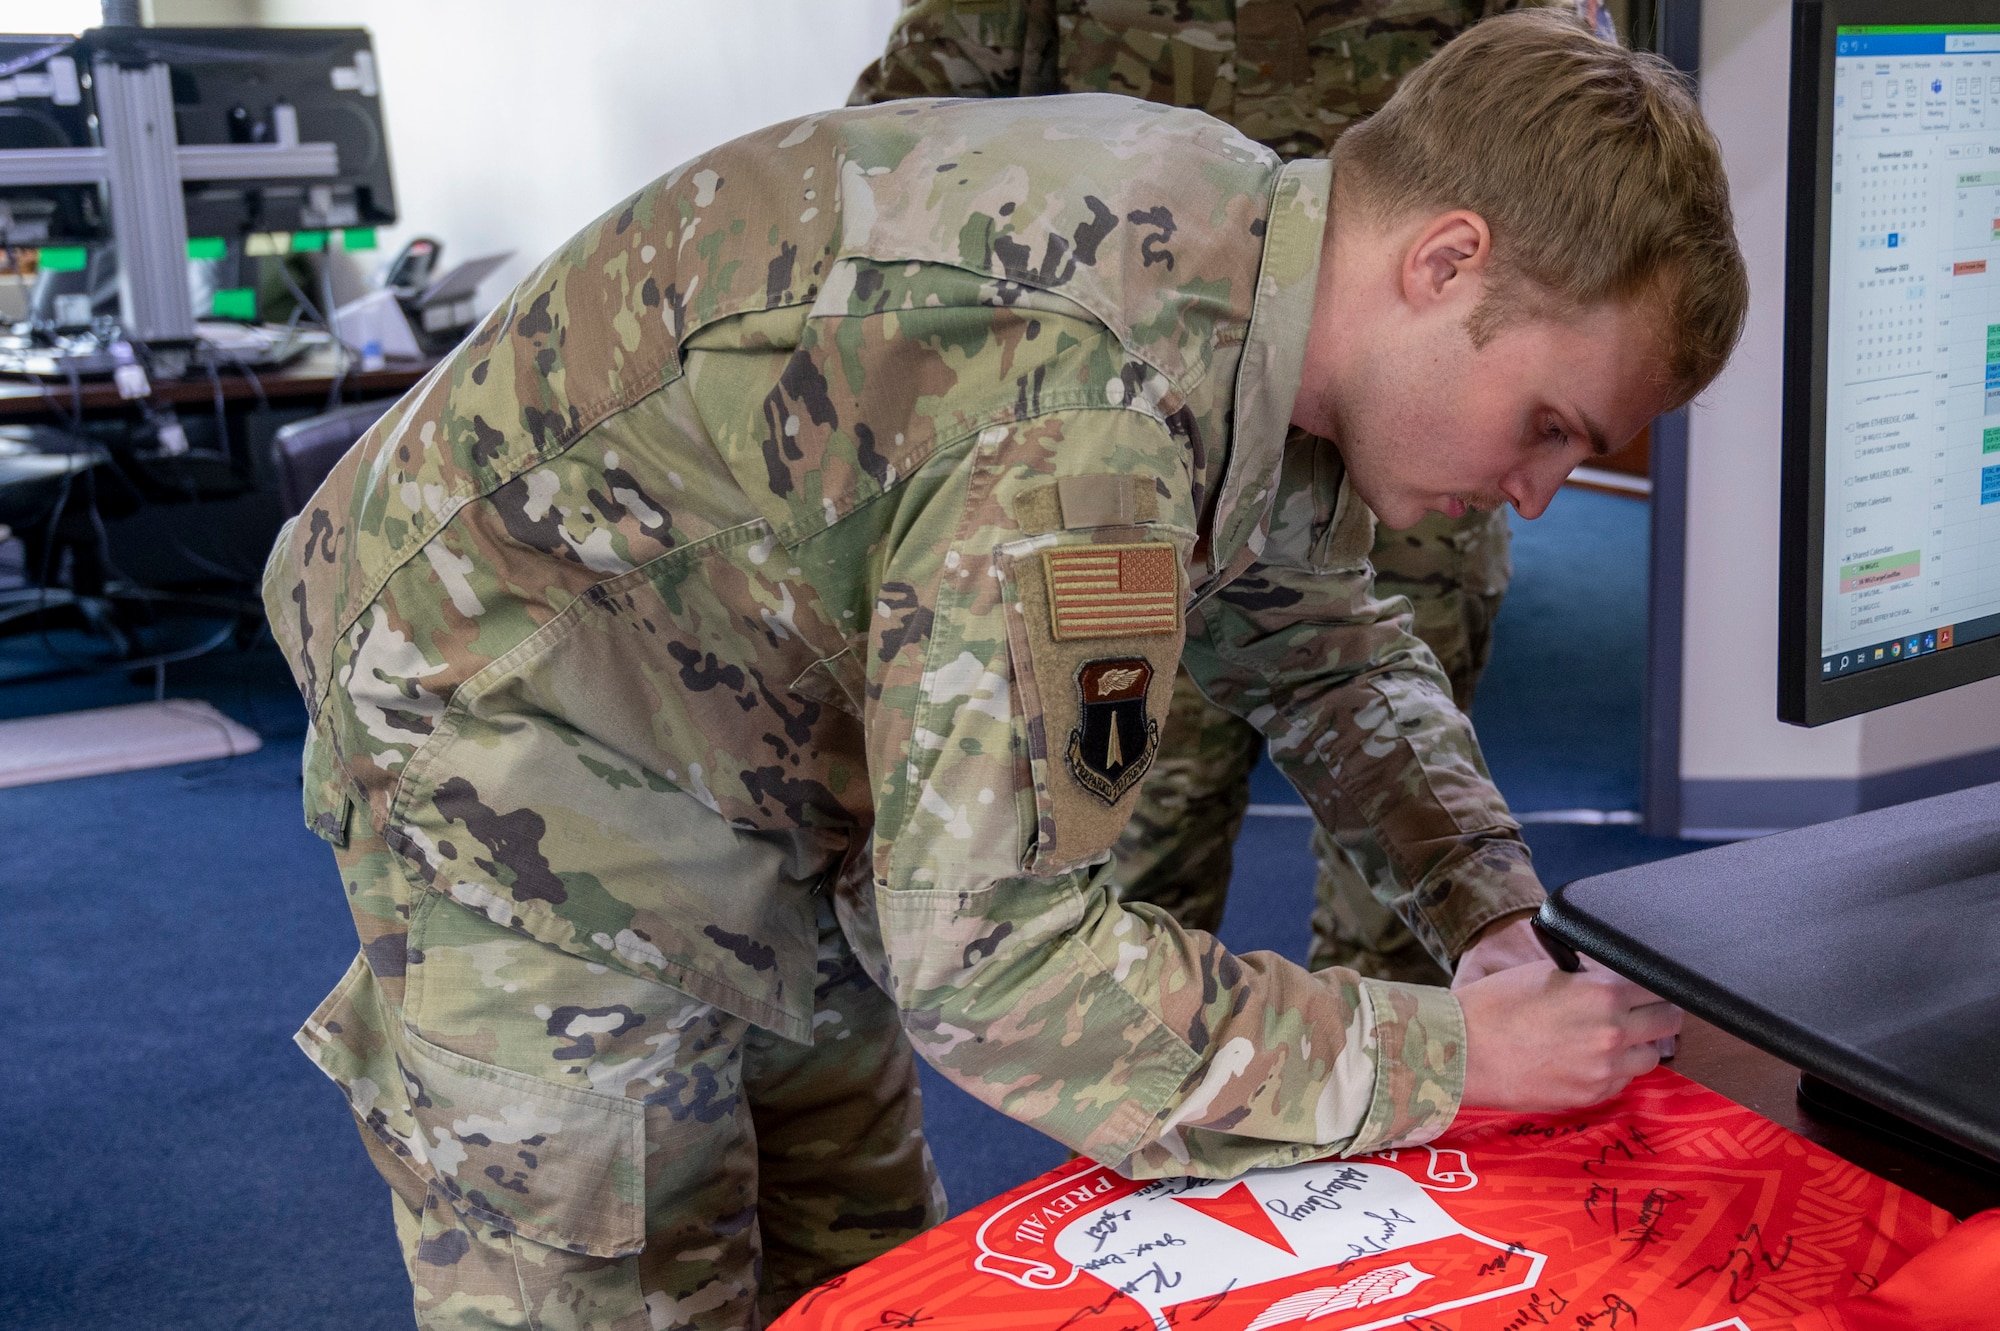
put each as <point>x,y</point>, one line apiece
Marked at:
<point>376,318</point>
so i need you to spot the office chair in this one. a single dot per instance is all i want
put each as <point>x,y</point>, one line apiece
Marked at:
<point>39,467</point>
<point>306,451</point>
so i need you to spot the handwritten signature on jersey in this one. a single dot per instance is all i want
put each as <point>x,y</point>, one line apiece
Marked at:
<point>1747,1264</point>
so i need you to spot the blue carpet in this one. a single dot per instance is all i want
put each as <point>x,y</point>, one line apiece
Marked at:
<point>177,1162</point>
<point>180,1165</point>
<point>1558,711</point>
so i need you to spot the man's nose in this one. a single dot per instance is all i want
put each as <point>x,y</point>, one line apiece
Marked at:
<point>1531,490</point>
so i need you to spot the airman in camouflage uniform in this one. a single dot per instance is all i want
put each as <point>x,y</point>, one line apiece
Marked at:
<point>782,591</point>
<point>1291,76</point>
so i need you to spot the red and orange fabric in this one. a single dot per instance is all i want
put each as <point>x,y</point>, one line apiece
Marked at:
<point>1667,1208</point>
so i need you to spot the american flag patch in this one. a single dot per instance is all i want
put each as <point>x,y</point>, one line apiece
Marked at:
<point>1113,591</point>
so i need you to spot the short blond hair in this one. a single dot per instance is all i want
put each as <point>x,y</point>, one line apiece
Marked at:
<point>1593,168</point>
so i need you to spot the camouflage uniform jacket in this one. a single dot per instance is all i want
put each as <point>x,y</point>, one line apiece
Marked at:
<point>1288,74</point>
<point>724,563</point>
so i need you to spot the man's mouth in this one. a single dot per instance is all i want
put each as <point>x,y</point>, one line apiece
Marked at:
<point>1458,505</point>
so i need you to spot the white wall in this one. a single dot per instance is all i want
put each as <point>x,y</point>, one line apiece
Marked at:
<point>1729,729</point>
<point>512,123</point>
<point>198,13</point>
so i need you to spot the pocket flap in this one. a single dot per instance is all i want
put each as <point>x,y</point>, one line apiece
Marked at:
<point>839,681</point>
<point>560,1165</point>
<point>328,804</point>
<point>1350,537</point>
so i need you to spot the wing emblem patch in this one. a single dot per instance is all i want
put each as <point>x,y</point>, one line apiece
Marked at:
<point>1115,738</point>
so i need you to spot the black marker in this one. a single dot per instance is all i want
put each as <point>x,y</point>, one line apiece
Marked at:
<point>1566,959</point>
<point>1561,953</point>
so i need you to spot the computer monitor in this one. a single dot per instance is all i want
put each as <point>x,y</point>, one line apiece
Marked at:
<point>228,86</point>
<point>47,105</point>
<point>1890,522</point>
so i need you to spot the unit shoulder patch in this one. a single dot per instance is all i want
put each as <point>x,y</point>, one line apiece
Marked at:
<point>1115,739</point>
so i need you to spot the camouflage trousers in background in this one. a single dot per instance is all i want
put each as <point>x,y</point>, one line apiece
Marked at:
<point>559,1106</point>
<point>1178,850</point>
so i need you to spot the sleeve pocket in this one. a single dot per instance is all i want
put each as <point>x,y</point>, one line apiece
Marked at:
<point>1094,634</point>
<point>561,1166</point>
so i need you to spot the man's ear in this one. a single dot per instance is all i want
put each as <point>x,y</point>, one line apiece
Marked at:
<point>1447,259</point>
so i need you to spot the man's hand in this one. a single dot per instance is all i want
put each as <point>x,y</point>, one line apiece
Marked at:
<point>1540,1039</point>
<point>1499,949</point>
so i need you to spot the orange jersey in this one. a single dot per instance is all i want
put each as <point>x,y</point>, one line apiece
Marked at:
<point>1668,1208</point>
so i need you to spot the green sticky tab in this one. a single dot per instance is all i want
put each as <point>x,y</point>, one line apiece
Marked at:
<point>207,247</point>
<point>64,259</point>
<point>235,303</point>
<point>1992,341</point>
<point>308,242</point>
<point>1991,442</point>
<point>358,238</point>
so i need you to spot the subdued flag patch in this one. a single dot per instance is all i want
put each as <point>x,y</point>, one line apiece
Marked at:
<point>1113,591</point>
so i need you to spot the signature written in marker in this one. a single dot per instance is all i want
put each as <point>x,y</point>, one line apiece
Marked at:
<point>1747,1264</point>
<point>1376,1243</point>
<point>1548,1132</point>
<point>1322,1196</point>
<point>1539,1310</point>
<point>820,1293</point>
<point>1621,1149</point>
<point>1120,1258</point>
<point>1105,1226</point>
<point>1601,1201</point>
<point>1616,1312</point>
<point>1645,1231</point>
<point>1500,1263</point>
<point>1160,1281</point>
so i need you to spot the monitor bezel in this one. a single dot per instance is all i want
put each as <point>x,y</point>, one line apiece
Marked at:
<point>1804,696</point>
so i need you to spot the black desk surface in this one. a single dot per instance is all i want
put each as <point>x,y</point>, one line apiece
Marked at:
<point>1865,951</point>
<point>1769,1086</point>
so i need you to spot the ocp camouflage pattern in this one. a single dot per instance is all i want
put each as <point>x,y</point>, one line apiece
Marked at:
<point>1292,76</point>
<point>687,589</point>
<point>1288,74</point>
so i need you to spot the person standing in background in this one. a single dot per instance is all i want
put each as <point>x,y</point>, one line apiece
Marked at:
<point>1292,77</point>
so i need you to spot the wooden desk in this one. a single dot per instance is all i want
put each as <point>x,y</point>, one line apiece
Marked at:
<point>219,500</point>
<point>305,382</point>
<point>1758,1081</point>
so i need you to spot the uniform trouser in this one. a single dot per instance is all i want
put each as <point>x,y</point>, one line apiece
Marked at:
<point>769,1166</point>
<point>1176,853</point>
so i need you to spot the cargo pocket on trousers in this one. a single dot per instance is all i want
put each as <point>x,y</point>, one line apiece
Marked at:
<point>558,1165</point>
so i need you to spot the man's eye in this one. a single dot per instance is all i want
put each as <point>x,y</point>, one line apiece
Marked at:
<point>1556,434</point>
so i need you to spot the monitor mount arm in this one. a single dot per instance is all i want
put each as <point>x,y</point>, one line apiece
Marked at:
<point>144,167</point>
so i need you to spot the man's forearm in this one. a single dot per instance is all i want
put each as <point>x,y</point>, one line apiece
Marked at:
<point>1152,1047</point>
<point>1360,719</point>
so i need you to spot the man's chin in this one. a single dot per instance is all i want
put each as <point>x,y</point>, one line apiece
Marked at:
<point>1402,516</point>
<point>1397,512</point>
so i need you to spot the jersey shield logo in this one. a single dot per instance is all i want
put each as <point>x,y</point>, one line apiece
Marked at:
<point>1115,740</point>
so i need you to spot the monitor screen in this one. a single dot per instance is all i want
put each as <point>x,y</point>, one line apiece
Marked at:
<point>45,103</point>
<point>1892,521</point>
